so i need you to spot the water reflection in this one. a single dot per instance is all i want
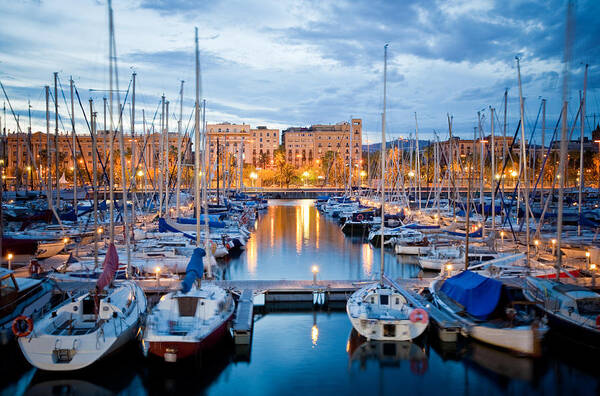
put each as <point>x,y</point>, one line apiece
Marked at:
<point>292,235</point>
<point>386,353</point>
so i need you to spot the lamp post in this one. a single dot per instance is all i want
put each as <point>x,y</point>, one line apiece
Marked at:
<point>10,257</point>
<point>363,174</point>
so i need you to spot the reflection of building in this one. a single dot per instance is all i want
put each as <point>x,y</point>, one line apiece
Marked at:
<point>304,146</point>
<point>18,154</point>
<point>258,145</point>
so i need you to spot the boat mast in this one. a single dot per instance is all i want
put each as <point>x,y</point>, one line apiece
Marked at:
<point>133,146</point>
<point>383,147</point>
<point>493,175</point>
<point>178,186</point>
<point>523,162</point>
<point>418,161</point>
<point>111,188</point>
<point>563,137</point>
<point>94,182</point>
<point>56,159</point>
<point>161,157</point>
<point>166,161</point>
<point>48,155</point>
<point>542,154</point>
<point>581,174</point>
<point>74,154</point>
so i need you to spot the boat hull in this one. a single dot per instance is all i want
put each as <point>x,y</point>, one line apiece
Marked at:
<point>411,250</point>
<point>174,348</point>
<point>525,340</point>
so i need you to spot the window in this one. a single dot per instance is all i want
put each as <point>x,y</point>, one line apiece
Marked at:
<point>384,299</point>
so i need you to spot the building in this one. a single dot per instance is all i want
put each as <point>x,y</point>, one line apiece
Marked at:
<point>19,151</point>
<point>257,146</point>
<point>464,147</point>
<point>308,145</point>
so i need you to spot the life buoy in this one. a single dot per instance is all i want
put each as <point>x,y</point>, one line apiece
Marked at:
<point>213,247</point>
<point>18,323</point>
<point>360,217</point>
<point>419,315</point>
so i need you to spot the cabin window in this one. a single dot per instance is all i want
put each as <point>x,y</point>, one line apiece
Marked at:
<point>397,301</point>
<point>384,299</point>
<point>372,300</point>
<point>88,306</point>
<point>588,306</point>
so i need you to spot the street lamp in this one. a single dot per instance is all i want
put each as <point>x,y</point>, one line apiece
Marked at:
<point>305,176</point>
<point>10,257</point>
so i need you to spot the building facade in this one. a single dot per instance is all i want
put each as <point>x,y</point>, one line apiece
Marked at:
<point>20,149</point>
<point>255,146</point>
<point>308,145</point>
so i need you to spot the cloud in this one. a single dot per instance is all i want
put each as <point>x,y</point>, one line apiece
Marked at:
<point>285,63</point>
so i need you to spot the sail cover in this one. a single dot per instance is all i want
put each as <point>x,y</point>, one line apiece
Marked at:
<point>478,294</point>
<point>194,270</point>
<point>111,264</point>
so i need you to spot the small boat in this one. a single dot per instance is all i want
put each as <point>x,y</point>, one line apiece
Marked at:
<point>383,312</point>
<point>89,327</point>
<point>490,312</point>
<point>188,320</point>
<point>411,242</point>
<point>571,308</point>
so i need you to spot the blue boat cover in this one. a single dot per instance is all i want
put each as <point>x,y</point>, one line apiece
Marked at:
<point>211,223</point>
<point>194,270</point>
<point>475,234</point>
<point>478,294</point>
<point>163,226</point>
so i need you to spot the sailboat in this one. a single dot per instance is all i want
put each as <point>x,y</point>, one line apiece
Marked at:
<point>195,317</point>
<point>188,320</point>
<point>89,327</point>
<point>383,310</point>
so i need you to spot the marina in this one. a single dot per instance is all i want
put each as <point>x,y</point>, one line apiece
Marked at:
<point>163,244</point>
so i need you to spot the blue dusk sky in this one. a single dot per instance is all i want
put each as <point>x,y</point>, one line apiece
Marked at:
<point>295,63</point>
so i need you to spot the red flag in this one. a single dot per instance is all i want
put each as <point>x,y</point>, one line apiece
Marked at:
<point>111,264</point>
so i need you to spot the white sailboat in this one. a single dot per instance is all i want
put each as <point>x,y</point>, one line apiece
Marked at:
<point>195,317</point>
<point>383,311</point>
<point>87,328</point>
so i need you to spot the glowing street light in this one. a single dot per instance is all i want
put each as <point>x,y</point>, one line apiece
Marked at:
<point>253,176</point>
<point>9,257</point>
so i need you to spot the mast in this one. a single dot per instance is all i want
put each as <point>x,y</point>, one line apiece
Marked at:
<point>418,160</point>
<point>161,157</point>
<point>383,144</point>
<point>166,161</point>
<point>218,163</point>
<point>205,178</point>
<point>178,186</point>
<point>481,160</point>
<point>133,147</point>
<point>493,175</point>
<point>104,151</point>
<point>126,232</point>
<point>74,154</point>
<point>48,155</point>
<point>581,174</point>
<point>56,159</point>
<point>542,152</point>
<point>523,162</point>
<point>468,210</point>
<point>197,145</point>
<point>563,136</point>
<point>95,183</point>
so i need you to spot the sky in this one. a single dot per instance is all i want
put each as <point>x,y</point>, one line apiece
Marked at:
<point>296,63</point>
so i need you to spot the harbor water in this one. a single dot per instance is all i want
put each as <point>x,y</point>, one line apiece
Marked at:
<point>315,351</point>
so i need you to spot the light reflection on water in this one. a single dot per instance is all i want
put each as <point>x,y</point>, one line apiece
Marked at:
<point>291,236</point>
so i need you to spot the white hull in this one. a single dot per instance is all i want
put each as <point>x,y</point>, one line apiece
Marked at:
<point>383,314</point>
<point>49,249</point>
<point>522,339</point>
<point>412,250</point>
<point>56,345</point>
